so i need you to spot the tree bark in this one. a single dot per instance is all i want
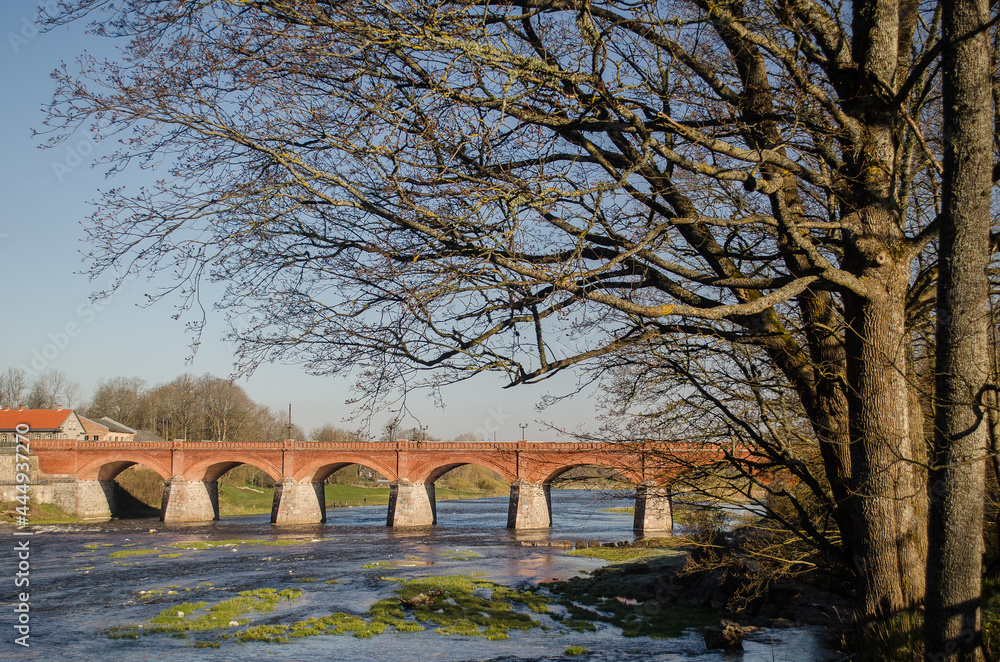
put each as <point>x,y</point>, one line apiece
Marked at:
<point>957,484</point>
<point>889,503</point>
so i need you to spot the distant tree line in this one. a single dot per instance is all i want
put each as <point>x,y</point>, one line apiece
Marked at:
<point>46,390</point>
<point>187,407</point>
<point>205,408</point>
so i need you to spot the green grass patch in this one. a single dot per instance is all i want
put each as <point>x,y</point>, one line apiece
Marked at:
<point>353,495</point>
<point>575,650</point>
<point>125,553</point>
<point>169,556</point>
<point>463,605</point>
<point>238,500</point>
<point>38,513</point>
<point>468,606</point>
<point>122,631</point>
<point>198,616</point>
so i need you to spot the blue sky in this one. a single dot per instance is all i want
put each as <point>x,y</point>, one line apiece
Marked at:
<point>50,324</point>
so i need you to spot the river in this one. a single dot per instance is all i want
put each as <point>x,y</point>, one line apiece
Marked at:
<point>89,576</point>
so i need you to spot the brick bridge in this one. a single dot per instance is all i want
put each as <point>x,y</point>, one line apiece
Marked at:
<point>83,474</point>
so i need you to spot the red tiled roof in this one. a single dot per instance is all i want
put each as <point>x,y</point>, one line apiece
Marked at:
<point>36,419</point>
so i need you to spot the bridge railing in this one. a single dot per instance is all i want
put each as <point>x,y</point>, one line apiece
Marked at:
<point>369,446</point>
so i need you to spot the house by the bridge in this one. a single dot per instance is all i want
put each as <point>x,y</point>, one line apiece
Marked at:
<point>116,430</point>
<point>92,430</point>
<point>106,429</point>
<point>56,423</point>
<point>60,423</point>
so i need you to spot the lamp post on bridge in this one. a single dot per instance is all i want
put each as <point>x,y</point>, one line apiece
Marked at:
<point>523,426</point>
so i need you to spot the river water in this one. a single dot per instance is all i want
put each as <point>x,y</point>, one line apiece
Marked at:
<point>77,588</point>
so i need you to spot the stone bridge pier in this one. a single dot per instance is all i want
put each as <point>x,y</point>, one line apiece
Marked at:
<point>654,517</point>
<point>198,501</point>
<point>298,503</point>
<point>530,505</point>
<point>86,499</point>
<point>414,504</point>
<point>189,500</point>
<point>411,504</point>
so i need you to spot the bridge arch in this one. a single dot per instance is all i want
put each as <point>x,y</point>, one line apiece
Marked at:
<point>212,469</point>
<point>319,470</point>
<point>550,472</point>
<point>108,468</point>
<point>429,471</point>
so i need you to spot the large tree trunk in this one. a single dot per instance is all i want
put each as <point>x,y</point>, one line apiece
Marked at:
<point>889,504</point>
<point>888,495</point>
<point>957,484</point>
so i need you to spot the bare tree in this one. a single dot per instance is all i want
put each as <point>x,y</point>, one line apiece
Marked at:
<point>228,412</point>
<point>331,433</point>
<point>416,433</point>
<point>52,389</point>
<point>390,431</point>
<point>175,409</point>
<point>13,387</point>
<point>532,185</point>
<point>123,399</point>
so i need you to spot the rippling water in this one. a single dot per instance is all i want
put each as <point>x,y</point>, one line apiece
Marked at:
<point>77,590</point>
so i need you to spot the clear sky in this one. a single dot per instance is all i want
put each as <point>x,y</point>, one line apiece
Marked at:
<point>46,196</point>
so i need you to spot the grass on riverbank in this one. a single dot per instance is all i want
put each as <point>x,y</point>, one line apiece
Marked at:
<point>38,513</point>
